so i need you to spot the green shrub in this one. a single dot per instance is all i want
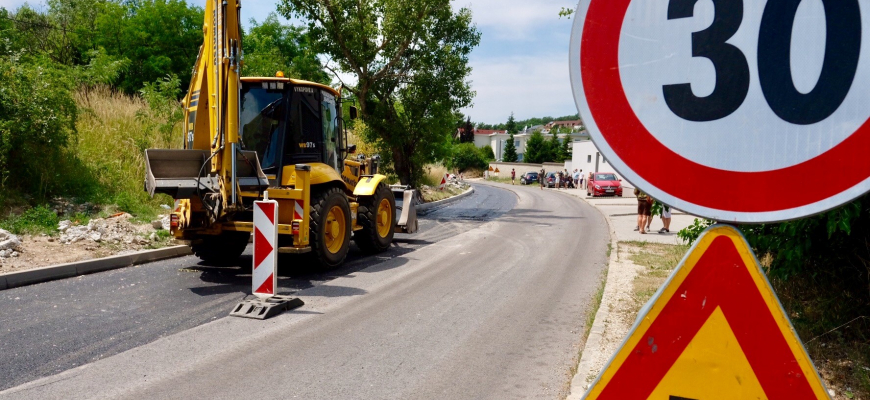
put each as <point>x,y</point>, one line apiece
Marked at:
<point>35,220</point>
<point>37,121</point>
<point>465,156</point>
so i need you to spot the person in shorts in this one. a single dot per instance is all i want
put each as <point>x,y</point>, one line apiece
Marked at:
<point>666,219</point>
<point>644,210</point>
<point>542,178</point>
<point>558,176</point>
<point>513,176</point>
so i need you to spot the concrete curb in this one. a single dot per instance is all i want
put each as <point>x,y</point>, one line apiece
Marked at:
<point>61,271</point>
<point>426,206</point>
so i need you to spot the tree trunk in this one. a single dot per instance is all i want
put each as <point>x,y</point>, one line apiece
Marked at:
<point>402,165</point>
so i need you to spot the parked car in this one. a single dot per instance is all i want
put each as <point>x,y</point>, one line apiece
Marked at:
<point>604,184</point>
<point>529,178</point>
<point>550,180</point>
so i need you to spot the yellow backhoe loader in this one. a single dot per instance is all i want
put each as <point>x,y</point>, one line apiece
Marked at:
<point>246,136</point>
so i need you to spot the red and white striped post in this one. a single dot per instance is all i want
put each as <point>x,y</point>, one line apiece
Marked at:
<point>265,283</point>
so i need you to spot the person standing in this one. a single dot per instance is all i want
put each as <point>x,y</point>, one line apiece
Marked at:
<point>576,177</point>
<point>666,219</point>
<point>513,177</point>
<point>558,176</point>
<point>580,182</point>
<point>644,210</point>
<point>542,178</point>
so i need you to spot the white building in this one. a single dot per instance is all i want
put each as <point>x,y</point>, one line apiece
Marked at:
<point>587,157</point>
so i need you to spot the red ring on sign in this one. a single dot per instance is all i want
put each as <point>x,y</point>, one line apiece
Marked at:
<point>801,184</point>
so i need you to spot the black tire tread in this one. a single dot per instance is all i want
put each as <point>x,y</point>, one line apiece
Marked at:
<point>318,250</point>
<point>367,238</point>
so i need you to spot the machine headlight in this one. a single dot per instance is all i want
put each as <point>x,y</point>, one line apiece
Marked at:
<point>597,187</point>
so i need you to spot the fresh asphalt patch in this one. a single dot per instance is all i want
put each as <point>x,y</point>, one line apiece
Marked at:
<point>54,326</point>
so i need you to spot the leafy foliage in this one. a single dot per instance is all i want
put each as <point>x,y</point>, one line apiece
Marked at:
<point>467,133</point>
<point>529,122</point>
<point>39,219</point>
<point>511,124</point>
<point>536,149</point>
<point>159,37</point>
<point>271,46</point>
<point>410,61</point>
<point>37,120</point>
<point>487,152</point>
<point>467,156</point>
<point>510,150</point>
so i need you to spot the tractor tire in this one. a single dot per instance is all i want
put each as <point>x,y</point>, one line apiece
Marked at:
<point>221,249</point>
<point>330,227</point>
<point>377,216</point>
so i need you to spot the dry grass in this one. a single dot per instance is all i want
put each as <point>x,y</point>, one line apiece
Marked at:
<point>114,129</point>
<point>658,261</point>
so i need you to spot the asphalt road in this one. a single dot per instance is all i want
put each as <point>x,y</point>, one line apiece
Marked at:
<point>487,302</point>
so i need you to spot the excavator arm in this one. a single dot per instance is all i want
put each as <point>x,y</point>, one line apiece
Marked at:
<point>212,165</point>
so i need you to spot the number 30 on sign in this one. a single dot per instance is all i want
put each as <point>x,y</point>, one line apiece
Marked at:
<point>736,110</point>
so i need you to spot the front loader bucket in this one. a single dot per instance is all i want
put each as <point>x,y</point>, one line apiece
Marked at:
<point>178,172</point>
<point>406,209</point>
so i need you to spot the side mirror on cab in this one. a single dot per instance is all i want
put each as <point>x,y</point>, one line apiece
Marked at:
<point>351,149</point>
<point>353,113</point>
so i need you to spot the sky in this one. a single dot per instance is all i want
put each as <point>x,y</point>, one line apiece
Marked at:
<point>521,65</point>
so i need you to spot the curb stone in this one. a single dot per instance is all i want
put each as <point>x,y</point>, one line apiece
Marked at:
<point>426,206</point>
<point>61,271</point>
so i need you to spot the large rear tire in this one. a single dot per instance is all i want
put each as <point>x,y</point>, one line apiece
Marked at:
<point>330,227</point>
<point>377,216</point>
<point>221,249</point>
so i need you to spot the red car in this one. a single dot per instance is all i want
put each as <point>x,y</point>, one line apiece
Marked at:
<point>604,184</point>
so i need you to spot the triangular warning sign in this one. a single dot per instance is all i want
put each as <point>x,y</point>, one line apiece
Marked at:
<point>715,330</point>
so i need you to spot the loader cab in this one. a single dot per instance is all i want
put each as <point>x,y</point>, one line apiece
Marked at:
<point>290,122</point>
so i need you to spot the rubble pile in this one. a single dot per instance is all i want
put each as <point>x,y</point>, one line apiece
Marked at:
<point>116,229</point>
<point>9,244</point>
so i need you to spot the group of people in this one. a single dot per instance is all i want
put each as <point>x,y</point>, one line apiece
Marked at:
<point>562,178</point>
<point>644,213</point>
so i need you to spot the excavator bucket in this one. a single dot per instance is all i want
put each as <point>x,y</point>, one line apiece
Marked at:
<point>406,208</point>
<point>179,173</point>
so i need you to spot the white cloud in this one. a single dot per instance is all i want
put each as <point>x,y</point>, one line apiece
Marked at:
<point>514,19</point>
<point>528,86</point>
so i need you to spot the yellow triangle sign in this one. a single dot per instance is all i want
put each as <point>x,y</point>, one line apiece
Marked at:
<point>714,331</point>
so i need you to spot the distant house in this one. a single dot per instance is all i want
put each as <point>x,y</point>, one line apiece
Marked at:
<point>575,125</point>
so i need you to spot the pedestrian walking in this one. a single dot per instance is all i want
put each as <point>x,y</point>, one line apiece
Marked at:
<point>666,219</point>
<point>542,178</point>
<point>644,210</point>
<point>513,177</point>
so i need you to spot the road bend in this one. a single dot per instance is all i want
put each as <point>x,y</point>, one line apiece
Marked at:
<point>488,301</point>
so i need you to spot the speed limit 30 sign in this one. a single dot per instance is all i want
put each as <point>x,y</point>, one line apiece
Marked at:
<point>735,110</point>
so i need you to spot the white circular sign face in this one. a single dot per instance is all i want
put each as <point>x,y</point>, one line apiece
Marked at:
<point>742,111</point>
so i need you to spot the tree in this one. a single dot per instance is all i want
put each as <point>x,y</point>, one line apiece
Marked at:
<point>467,134</point>
<point>511,125</point>
<point>466,156</point>
<point>564,149</point>
<point>553,146</point>
<point>410,61</point>
<point>487,152</point>
<point>271,46</point>
<point>510,150</point>
<point>535,149</point>
<point>159,37</point>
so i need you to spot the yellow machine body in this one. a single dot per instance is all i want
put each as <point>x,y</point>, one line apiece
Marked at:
<point>247,136</point>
